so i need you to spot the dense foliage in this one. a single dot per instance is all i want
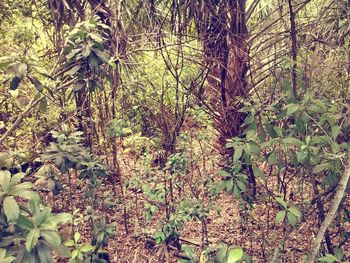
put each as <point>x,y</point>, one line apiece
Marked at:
<point>174,131</point>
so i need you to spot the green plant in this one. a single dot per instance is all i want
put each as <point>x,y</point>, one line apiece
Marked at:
<point>222,253</point>
<point>80,250</point>
<point>85,52</point>
<point>33,234</point>
<point>190,252</point>
<point>102,232</point>
<point>24,67</point>
<point>234,181</point>
<point>49,175</point>
<point>3,257</point>
<point>11,187</point>
<point>292,213</point>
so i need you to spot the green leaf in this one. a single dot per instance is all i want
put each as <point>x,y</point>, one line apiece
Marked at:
<point>11,208</point>
<point>86,51</point>
<point>238,153</point>
<point>61,218</point>
<point>328,258</point>
<point>280,217</point>
<point>229,185</point>
<point>236,191</point>
<point>86,248</point>
<point>295,211</point>
<point>308,139</point>
<point>221,255</point>
<point>271,130</point>
<point>24,222</point>
<point>282,202</point>
<point>17,189</point>
<point>322,167</point>
<point>293,141</point>
<point>14,83</point>
<point>301,156</point>
<point>273,158</point>
<point>3,258</point>
<point>254,147</point>
<point>75,253</point>
<point>102,55</point>
<point>72,71</point>
<point>28,195</point>
<point>21,70</point>
<point>44,253</point>
<point>76,237</point>
<point>292,108</point>
<point>241,185</point>
<point>292,219</point>
<point>5,179</point>
<point>16,178</point>
<point>339,252</point>
<point>2,253</point>
<point>73,53</point>
<point>51,237</point>
<point>32,239</point>
<point>234,255</point>
<point>224,173</point>
<point>43,105</point>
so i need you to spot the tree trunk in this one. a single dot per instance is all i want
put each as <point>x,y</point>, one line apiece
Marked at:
<point>226,50</point>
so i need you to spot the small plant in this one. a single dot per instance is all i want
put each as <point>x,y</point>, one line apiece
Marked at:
<point>102,232</point>
<point>11,187</point>
<point>290,212</point>
<point>49,175</point>
<point>80,250</point>
<point>32,233</point>
<point>221,253</point>
<point>233,180</point>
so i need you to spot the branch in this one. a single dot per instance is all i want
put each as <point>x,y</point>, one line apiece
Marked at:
<point>331,213</point>
<point>35,100</point>
<point>18,121</point>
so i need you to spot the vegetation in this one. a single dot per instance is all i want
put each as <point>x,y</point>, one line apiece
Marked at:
<point>175,131</point>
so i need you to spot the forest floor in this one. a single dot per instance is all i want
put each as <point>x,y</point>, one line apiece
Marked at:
<point>228,226</point>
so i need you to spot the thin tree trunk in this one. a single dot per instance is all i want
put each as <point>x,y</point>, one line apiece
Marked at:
<point>294,50</point>
<point>331,213</point>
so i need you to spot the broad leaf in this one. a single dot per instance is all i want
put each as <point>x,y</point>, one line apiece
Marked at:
<point>51,237</point>
<point>72,71</point>
<point>5,177</point>
<point>24,222</point>
<point>234,255</point>
<point>238,153</point>
<point>295,211</point>
<point>11,208</point>
<point>44,253</point>
<point>292,219</point>
<point>21,70</point>
<point>87,248</point>
<point>32,239</point>
<point>293,141</point>
<point>292,108</point>
<point>61,218</point>
<point>280,217</point>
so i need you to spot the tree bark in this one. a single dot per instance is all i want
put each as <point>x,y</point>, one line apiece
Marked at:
<point>226,49</point>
